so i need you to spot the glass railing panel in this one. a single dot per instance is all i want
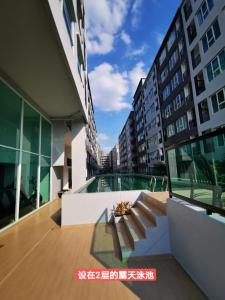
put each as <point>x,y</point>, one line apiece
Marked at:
<point>197,170</point>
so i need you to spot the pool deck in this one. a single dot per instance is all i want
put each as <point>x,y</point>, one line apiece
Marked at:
<point>38,259</point>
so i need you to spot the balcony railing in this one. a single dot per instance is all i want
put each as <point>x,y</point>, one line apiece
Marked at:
<point>196,171</point>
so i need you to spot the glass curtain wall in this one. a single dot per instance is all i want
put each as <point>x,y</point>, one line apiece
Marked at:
<point>25,157</point>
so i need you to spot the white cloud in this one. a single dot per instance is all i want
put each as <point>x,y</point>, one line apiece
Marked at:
<point>104,20</point>
<point>159,37</point>
<point>125,38</point>
<point>102,137</point>
<point>136,12</point>
<point>110,88</point>
<point>136,74</point>
<point>137,52</point>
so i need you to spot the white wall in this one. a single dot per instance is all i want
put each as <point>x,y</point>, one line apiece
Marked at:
<point>87,208</point>
<point>79,154</point>
<point>198,244</point>
<point>58,151</point>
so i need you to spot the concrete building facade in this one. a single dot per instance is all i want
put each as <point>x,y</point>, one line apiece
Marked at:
<point>139,113</point>
<point>175,89</point>
<point>152,121</point>
<point>114,159</point>
<point>204,24</point>
<point>127,146</point>
<point>91,141</point>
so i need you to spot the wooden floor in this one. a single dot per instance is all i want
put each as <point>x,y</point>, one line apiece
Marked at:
<point>38,260</point>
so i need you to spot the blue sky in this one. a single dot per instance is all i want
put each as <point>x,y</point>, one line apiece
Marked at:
<point>123,37</point>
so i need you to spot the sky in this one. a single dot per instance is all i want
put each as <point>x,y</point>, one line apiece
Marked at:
<point>123,37</point>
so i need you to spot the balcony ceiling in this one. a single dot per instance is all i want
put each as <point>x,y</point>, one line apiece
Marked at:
<point>31,55</point>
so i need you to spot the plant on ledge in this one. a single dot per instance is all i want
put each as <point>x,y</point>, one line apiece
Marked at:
<point>123,208</point>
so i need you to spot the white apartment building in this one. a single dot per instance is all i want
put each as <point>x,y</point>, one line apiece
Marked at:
<point>43,76</point>
<point>204,23</point>
<point>152,120</point>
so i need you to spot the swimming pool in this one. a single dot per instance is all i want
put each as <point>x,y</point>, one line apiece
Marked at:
<point>112,183</point>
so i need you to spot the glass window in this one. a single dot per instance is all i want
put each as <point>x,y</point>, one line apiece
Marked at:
<point>10,117</point>
<point>31,127</point>
<point>166,92</point>
<point>173,60</point>
<point>203,111</point>
<point>164,74</point>
<point>199,83</point>
<point>171,40</point>
<point>45,180</point>
<point>187,9</point>
<point>8,170</point>
<point>211,36</point>
<point>204,10</point>
<point>178,102</point>
<point>216,66</point>
<point>218,100</point>
<point>195,56</point>
<point>68,18</point>
<point>168,111</point>
<point>191,30</point>
<point>162,56</point>
<point>170,130</point>
<point>181,124</point>
<point>176,80</point>
<point>45,138</point>
<point>28,188</point>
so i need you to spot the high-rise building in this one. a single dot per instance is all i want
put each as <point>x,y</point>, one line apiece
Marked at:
<point>114,159</point>
<point>152,121</point>
<point>91,141</point>
<point>44,103</point>
<point>204,28</point>
<point>175,89</point>
<point>127,146</point>
<point>138,105</point>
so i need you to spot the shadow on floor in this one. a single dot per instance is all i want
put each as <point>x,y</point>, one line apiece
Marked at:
<point>172,281</point>
<point>56,217</point>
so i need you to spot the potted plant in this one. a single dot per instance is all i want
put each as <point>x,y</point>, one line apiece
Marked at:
<point>122,208</point>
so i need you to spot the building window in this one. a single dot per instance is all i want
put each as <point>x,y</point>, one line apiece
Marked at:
<point>168,111</point>
<point>164,74</point>
<point>195,56</point>
<point>162,56</point>
<point>170,130</point>
<point>191,30</point>
<point>171,40</point>
<point>8,170</point>
<point>153,140</point>
<point>203,111</point>
<point>218,100</point>
<point>216,66</point>
<point>166,92</point>
<point>211,36</point>
<point>178,102</point>
<point>187,10</point>
<point>199,83</point>
<point>67,13</point>
<point>181,124</point>
<point>173,60</point>
<point>204,10</point>
<point>176,80</point>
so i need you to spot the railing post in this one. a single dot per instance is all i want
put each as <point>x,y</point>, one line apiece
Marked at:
<point>168,174</point>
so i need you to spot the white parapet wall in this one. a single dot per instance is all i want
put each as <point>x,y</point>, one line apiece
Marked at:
<point>92,208</point>
<point>198,244</point>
